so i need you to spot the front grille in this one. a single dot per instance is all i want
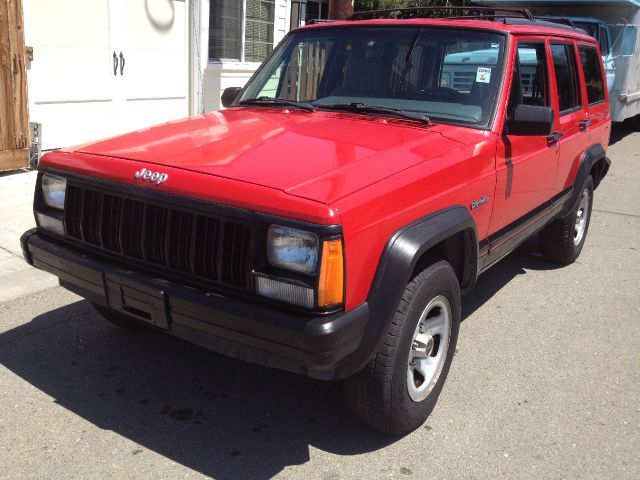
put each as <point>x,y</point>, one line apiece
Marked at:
<point>190,243</point>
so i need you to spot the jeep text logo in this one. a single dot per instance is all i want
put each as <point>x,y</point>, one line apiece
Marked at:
<point>154,177</point>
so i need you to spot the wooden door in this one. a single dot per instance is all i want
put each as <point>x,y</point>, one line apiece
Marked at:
<point>14,117</point>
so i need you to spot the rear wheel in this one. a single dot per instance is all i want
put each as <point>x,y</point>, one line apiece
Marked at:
<point>562,240</point>
<point>398,389</point>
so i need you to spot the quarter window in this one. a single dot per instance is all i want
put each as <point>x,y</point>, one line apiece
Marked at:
<point>564,64</point>
<point>591,66</point>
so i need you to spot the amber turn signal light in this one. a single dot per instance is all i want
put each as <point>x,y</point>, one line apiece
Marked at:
<point>331,284</point>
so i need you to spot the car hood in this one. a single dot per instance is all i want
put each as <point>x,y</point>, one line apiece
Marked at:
<point>321,156</point>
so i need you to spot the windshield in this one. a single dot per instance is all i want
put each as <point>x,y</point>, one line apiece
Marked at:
<point>450,75</point>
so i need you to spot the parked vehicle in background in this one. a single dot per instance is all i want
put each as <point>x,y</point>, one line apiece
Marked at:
<point>621,18</point>
<point>602,33</point>
<point>330,219</point>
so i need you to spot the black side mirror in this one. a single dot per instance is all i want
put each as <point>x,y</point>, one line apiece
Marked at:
<point>531,120</point>
<point>229,95</point>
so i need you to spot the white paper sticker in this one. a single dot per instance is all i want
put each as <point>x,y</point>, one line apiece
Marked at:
<point>483,75</point>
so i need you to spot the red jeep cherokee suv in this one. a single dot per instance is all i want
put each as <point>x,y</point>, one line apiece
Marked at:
<point>328,222</point>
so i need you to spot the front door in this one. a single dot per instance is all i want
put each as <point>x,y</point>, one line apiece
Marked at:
<point>526,165</point>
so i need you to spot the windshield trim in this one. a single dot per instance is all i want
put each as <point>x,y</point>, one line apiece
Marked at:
<point>490,125</point>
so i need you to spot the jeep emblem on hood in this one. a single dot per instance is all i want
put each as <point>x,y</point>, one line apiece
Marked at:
<point>148,175</point>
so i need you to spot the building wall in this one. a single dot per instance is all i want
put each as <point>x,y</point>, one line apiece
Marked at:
<point>221,74</point>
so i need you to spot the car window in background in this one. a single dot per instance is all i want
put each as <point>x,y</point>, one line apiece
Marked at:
<point>592,73</point>
<point>604,42</point>
<point>568,86</point>
<point>625,37</point>
<point>590,27</point>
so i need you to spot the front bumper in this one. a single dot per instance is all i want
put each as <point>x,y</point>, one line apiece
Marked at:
<point>320,347</point>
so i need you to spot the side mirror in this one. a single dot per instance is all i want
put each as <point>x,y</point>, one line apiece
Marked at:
<point>531,120</point>
<point>229,95</point>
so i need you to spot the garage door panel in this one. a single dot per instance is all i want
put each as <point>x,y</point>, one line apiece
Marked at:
<point>71,73</point>
<point>68,23</point>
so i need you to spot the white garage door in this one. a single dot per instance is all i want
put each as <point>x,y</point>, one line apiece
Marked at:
<point>103,67</point>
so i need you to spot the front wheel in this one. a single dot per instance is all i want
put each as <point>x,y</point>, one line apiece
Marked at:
<point>398,389</point>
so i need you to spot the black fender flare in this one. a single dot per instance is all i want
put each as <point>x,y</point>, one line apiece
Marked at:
<point>594,153</point>
<point>397,262</point>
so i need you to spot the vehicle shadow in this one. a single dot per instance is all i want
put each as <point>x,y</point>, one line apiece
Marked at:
<point>618,132</point>
<point>220,417</point>
<point>526,257</point>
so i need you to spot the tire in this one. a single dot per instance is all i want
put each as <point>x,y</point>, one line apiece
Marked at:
<point>387,394</point>
<point>116,318</point>
<point>562,240</point>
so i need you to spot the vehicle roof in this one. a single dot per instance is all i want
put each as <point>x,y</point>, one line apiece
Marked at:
<point>573,3</point>
<point>515,26</point>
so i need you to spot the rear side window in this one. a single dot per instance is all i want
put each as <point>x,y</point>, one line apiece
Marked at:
<point>592,73</point>
<point>564,64</point>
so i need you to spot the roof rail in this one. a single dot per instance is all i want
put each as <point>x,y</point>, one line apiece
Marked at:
<point>418,12</point>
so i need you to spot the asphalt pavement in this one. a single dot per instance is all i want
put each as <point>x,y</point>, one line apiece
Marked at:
<point>545,383</point>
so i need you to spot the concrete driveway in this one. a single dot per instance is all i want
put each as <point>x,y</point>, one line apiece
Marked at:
<point>545,384</point>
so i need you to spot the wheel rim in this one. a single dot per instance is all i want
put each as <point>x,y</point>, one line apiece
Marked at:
<point>429,347</point>
<point>582,216</point>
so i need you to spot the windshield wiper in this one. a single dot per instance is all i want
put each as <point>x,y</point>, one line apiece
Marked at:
<point>365,107</point>
<point>270,101</point>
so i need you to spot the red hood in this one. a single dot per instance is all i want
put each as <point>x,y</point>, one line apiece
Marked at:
<point>321,156</point>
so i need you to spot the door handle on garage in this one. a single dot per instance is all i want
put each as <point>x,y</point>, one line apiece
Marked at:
<point>584,124</point>
<point>554,138</point>
<point>115,63</point>
<point>121,63</point>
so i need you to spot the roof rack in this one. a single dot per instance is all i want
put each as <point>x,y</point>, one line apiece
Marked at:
<point>315,21</point>
<point>483,12</point>
<point>562,20</point>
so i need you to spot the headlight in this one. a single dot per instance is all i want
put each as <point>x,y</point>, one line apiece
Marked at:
<point>292,249</point>
<point>53,190</point>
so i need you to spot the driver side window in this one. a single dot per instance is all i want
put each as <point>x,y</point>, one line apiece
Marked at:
<point>533,78</point>
<point>530,77</point>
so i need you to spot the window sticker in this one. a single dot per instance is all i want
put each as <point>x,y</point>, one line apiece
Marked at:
<point>483,75</point>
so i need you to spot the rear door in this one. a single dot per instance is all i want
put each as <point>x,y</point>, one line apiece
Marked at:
<point>571,117</point>
<point>595,94</point>
<point>526,165</point>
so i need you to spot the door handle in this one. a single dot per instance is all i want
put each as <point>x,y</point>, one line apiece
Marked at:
<point>121,63</point>
<point>584,124</point>
<point>554,138</point>
<point>115,63</point>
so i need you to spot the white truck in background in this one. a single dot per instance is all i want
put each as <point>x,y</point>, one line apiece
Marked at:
<point>614,23</point>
